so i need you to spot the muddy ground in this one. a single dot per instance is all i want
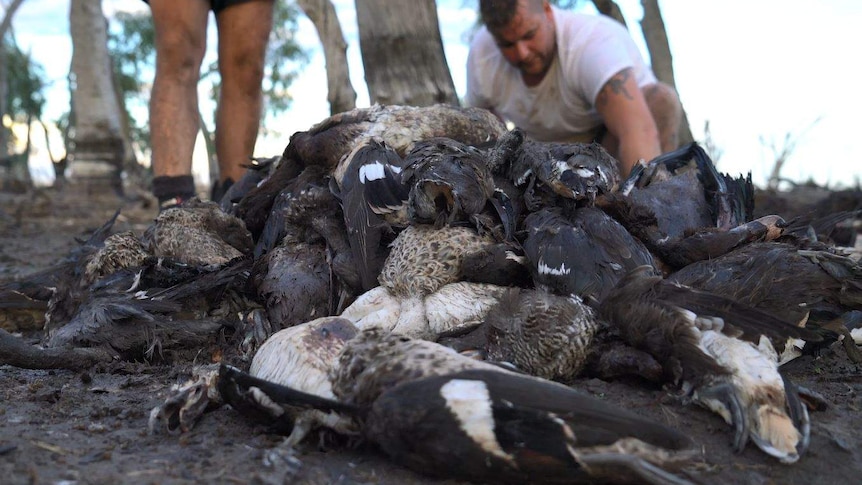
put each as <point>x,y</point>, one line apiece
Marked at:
<point>91,427</point>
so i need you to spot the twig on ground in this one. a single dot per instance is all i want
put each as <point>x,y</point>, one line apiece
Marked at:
<point>13,351</point>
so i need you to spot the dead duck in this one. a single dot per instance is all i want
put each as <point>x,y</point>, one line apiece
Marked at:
<point>373,199</point>
<point>573,171</point>
<point>541,334</point>
<point>793,279</point>
<point>683,209</point>
<point>398,126</point>
<point>306,196</point>
<point>424,404</point>
<point>323,374</point>
<point>488,426</point>
<point>688,174</point>
<point>258,169</point>
<point>449,182</point>
<point>198,233</point>
<point>576,172</point>
<point>325,143</point>
<point>723,353</point>
<point>120,250</point>
<point>303,358</point>
<point>61,285</point>
<point>309,273</point>
<point>695,244</point>
<point>424,258</point>
<point>143,323</point>
<point>420,292</point>
<point>300,357</point>
<point>293,280</point>
<point>583,253</point>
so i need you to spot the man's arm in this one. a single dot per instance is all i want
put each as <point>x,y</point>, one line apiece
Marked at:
<point>627,116</point>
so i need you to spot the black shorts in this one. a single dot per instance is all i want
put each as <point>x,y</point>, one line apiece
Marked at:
<point>218,5</point>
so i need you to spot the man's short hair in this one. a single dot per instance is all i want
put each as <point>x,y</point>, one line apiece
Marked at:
<point>497,14</point>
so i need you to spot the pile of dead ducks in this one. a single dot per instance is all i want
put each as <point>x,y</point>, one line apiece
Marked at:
<point>429,281</point>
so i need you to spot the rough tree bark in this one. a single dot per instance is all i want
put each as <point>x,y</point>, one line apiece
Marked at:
<point>342,96</point>
<point>98,146</point>
<point>403,53</point>
<point>661,59</point>
<point>611,9</point>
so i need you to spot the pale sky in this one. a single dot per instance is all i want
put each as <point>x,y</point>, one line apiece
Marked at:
<point>755,70</point>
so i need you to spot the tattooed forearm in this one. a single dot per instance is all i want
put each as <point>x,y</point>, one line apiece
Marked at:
<point>615,85</point>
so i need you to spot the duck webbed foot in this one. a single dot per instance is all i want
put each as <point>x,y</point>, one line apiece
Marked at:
<point>798,414</point>
<point>813,400</point>
<point>724,400</point>
<point>186,403</point>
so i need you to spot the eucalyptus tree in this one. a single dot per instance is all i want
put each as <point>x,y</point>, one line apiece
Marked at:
<point>98,147</point>
<point>23,103</point>
<point>402,52</point>
<point>5,27</point>
<point>341,95</point>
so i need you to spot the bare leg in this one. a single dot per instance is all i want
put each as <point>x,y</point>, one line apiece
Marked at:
<point>180,29</point>
<point>243,33</point>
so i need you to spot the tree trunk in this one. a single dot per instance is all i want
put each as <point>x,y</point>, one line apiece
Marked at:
<point>611,9</point>
<point>402,53</point>
<point>342,96</point>
<point>5,25</point>
<point>98,153</point>
<point>661,59</point>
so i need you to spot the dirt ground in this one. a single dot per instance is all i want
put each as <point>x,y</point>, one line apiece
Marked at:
<point>91,427</point>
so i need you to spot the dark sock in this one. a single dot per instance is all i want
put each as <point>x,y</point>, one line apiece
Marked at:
<point>173,190</point>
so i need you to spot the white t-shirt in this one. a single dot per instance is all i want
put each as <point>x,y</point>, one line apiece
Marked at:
<point>590,50</point>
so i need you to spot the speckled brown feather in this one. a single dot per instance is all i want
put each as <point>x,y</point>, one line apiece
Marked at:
<point>423,259</point>
<point>121,250</point>
<point>542,334</point>
<point>199,233</point>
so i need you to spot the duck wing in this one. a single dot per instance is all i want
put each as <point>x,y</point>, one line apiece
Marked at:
<point>370,189</point>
